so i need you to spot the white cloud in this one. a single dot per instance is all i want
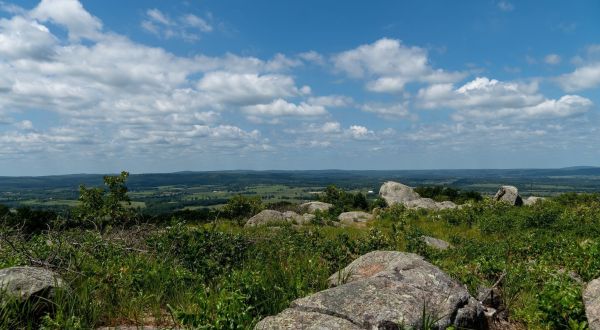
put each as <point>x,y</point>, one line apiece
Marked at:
<point>22,38</point>
<point>506,6</point>
<point>281,107</point>
<point>397,110</point>
<point>483,98</point>
<point>187,27</point>
<point>70,14</point>
<point>359,132</point>
<point>552,59</point>
<point>331,101</point>
<point>584,77</point>
<point>247,89</point>
<point>389,66</point>
<point>24,125</point>
<point>313,57</point>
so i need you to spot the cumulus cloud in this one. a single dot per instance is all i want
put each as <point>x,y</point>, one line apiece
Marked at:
<point>396,110</point>
<point>552,59</point>
<point>70,14</point>
<point>247,89</point>
<point>331,101</point>
<point>280,107</point>
<point>187,27</point>
<point>23,38</point>
<point>484,98</point>
<point>584,77</point>
<point>389,66</point>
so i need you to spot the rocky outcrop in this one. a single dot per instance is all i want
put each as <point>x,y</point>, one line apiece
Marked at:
<point>266,217</point>
<point>435,243</point>
<point>26,283</point>
<point>532,200</point>
<point>509,194</point>
<point>429,204</point>
<point>272,217</point>
<point>397,193</point>
<point>298,219</point>
<point>383,290</point>
<point>355,218</point>
<point>591,300</point>
<point>312,207</point>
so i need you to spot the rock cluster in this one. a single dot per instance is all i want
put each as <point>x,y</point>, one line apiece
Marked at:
<point>398,193</point>
<point>272,217</point>
<point>383,290</point>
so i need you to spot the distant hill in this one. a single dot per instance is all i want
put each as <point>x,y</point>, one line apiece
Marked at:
<point>583,178</point>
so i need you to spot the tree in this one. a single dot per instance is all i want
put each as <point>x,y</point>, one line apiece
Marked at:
<point>105,205</point>
<point>239,207</point>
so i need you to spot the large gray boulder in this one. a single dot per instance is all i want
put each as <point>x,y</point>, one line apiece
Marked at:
<point>383,290</point>
<point>509,194</point>
<point>397,193</point>
<point>266,217</point>
<point>312,207</point>
<point>429,204</point>
<point>591,300</point>
<point>293,318</point>
<point>355,218</point>
<point>24,283</point>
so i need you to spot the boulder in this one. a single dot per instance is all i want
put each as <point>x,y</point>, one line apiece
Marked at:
<point>266,217</point>
<point>435,243</point>
<point>356,217</point>
<point>397,193</point>
<point>293,217</point>
<point>292,319</point>
<point>312,207</point>
<point>532,200</point>
<point>509,194</point>
<point>384,290</point>
<point>25,283</point>
<point>591,300</point>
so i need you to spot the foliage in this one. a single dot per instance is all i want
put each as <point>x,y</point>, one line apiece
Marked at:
<point>221,275</point>
<point>442,193</point>
<point>240,207</point>
<point>104,206</point>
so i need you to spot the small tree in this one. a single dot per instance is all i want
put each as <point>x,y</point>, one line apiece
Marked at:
<point>105,205</point>
<point>239,207</point>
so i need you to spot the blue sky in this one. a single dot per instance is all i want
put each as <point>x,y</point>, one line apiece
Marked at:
<point>162,86</point>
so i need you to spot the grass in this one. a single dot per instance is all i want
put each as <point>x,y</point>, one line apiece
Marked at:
<point>223,276</point>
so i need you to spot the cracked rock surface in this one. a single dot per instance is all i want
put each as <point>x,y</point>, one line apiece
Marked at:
<point>383,290</point>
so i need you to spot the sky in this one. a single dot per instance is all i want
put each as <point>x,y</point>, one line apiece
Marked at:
<point>164,86</point>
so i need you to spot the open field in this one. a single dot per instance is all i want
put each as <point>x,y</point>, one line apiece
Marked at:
<point>159,193</point>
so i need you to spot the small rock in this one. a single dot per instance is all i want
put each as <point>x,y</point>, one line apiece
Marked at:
<point>355,218</point>
<point>435,243</point>
<point>532,200</point>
